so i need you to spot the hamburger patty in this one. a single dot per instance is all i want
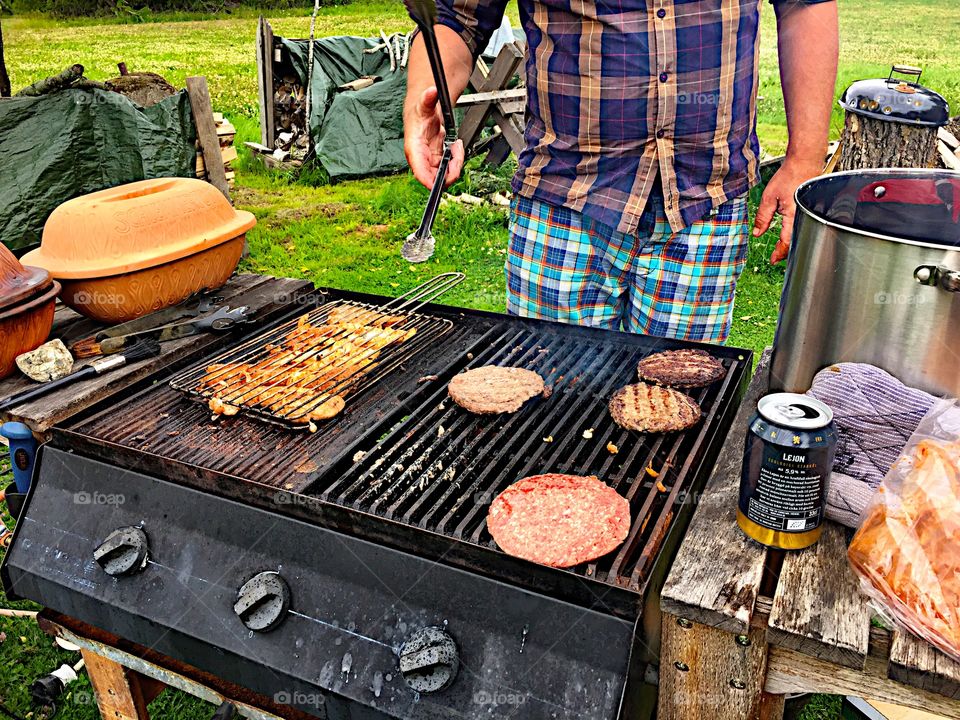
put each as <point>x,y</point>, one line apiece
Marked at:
<point>681,368</point>
<point>653,409</point>
<point>559,520</point>
<point>493,389</point>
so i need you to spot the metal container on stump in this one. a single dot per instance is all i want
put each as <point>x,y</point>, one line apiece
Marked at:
<point>873,276</point>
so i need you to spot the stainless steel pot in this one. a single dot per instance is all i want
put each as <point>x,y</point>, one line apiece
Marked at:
<point>873,276</point>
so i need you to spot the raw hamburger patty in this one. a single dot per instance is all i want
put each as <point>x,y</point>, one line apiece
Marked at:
<point>653,409</point>
<point>681,368</point>
<point>493,389</point>
<point>559,520</point>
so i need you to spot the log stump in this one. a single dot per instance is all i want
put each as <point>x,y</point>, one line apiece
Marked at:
<point>870,143</point>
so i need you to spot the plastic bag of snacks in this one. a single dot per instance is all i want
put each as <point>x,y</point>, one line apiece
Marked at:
<point>907,550</point>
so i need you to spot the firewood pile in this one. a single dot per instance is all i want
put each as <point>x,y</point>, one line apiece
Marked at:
<point>290,114</point>
<point>228,153</point>
<point>948,145</point>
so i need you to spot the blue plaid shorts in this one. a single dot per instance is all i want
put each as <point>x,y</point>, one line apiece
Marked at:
<point>566,267</point>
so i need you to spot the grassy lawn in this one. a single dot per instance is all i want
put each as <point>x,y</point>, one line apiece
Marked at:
<point>348,235</point>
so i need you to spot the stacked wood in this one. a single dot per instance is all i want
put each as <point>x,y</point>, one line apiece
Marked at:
<point>228,153</point>
<point>948,146</point>
<point>290,115</point>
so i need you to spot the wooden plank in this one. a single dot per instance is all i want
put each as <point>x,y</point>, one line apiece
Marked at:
<point>480,98</point>
<point>948,138</point>
<point>503,69</point>
<point>267,296</point>
<point>265,81</point>
<point>895,712</point>
<point>950,159</point>
<point>166,671</point>
<point>227,155</point>
<point>706,674</point>
<point>118,692</point>
<point>510,129</point>
<point>207,132</point>
<point>716,576</point>
<point>818,608</point>
<point>916,662</point>
<point>789,671</point>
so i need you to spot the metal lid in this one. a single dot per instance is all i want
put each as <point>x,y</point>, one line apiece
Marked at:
<point>795,411</point>
<point>896,100</point>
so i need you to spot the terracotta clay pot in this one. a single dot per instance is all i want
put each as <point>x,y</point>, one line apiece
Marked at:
<point>127,251</point>
<point>26,326</point>
<point>18,282</point>
<point>119,298</point>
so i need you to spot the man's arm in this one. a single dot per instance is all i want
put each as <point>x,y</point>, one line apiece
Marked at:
<point>423,131</point>
<point>808,41</point>
<point>463,29</point>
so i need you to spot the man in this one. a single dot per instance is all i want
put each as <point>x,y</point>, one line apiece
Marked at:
<point>630,206</point>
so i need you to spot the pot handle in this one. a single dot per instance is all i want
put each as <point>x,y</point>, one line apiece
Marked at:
<point>938,276</point>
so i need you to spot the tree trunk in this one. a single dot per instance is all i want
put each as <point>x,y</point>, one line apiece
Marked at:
<point>869,143</point>
<point>4,77</point>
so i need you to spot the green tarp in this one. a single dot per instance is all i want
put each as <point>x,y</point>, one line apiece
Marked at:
<point>355,133</point>
<point>69,143</point>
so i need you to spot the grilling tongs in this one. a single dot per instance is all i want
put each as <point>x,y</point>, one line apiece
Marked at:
<point>419,246</point>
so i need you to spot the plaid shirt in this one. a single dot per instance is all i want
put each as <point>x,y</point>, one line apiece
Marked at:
<point>619,91</point>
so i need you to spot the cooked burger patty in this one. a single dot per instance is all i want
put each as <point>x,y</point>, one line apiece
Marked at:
<point>559,520</point>
<point>681,368</point>
<point>653,409</point>
<point>493,389</point>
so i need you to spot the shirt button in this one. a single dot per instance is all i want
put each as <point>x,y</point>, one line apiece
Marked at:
<point>661,133</point>
<point>661,13</point>
<point>663,77</point>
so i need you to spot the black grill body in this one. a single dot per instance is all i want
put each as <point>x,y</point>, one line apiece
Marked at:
<point>377,525</point>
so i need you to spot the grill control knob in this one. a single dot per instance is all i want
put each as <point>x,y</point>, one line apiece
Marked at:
<point>124,552</point>
<point>429,660</point>
<point>262,601</point>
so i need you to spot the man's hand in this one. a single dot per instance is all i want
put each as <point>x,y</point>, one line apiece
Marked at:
<point>423,140</point>
<point>778,198</point>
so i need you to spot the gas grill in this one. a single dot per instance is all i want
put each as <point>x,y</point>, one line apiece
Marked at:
<point>349,572</point>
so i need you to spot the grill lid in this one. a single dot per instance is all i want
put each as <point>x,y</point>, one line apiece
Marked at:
<point>895,100</point>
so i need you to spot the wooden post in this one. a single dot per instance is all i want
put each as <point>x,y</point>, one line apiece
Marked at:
<point>121,694</point>
<point>4,77</point>
<point>706,674</point>
<point>207,133</point>
<point>265,82</point>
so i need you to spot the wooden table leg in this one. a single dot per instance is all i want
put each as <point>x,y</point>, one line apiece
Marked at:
<point>708,674</point>
<point>121,694</point>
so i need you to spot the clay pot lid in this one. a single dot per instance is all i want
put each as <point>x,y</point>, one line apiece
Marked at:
<point>136,226</point>
<point>18,282</point>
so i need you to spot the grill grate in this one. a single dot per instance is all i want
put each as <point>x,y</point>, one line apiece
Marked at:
<point>293,374</point>
<point>441,467</point>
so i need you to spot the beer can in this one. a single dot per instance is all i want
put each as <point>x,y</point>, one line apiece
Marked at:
<point>788,458</point>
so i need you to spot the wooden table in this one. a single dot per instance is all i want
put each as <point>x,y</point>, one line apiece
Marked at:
<point>267,296</point>
<point>744,625</point>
